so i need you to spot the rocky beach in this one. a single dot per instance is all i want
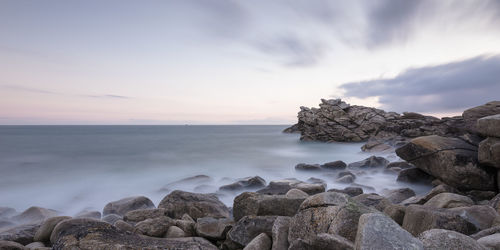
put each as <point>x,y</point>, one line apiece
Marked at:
<point>449,196</point>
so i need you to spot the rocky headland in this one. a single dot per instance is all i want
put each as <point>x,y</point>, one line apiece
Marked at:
<point>457,157</point>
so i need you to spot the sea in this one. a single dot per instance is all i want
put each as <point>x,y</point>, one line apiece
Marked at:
<point>77,168</point>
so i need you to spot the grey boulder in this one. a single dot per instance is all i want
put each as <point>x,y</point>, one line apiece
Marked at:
<point>195,205</point>
<point>121,207</point>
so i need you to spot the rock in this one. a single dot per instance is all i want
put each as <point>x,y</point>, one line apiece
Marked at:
<point>175,232</point>
<point>121,207</point>
<point>283,186</point>
<point>35,214</point>
<point>43,233</point>
<point>482,216</point>
<point>489,152</point>
<point>261,242</point>
<point>7,212</point>
<point>446,239</point>
<point>396,212</point>
<point>111,218</point>
<point>334,165</point>
<point>314,180</point>
<point>307,167</point>
<point>449,200</point>
<point>478,195</point>
<point>22,234</point>
<point>489,125</point>
<point>377,231</point>
<point>415,200</point>
<point>344,173</point>
<point>472,115</point>
<point>346,220</point>
<point>373,200</point>
<point>195,205</point>
<point>186,217</point>
<point>213,229</point>
<point>421,218</point>
<point>442,188</point>
<point>370,162</point>
<point>414,175</point>
<point>187,226</point>
<point>449,159</point>
<point>398,195</point>
<point>400,165</point>
<point>296,194</point>
<point>89,214</point>
<point>279,233</point>
<point>245,183</point>
<point>330,241</point>
<point>490,241</point>
<point>249,203</point>
<point>345,179</point>
<point>324,200</point>
<point>351,191</point>
<point>84,233</point>
<point>156,227</point>
<point>124,226</point>
<point>292,129</point>
<point>486,232</point>
<point>143,214</point>
<point>310,189</point>
<point>36,245</point>
<point>192,180</point>
<point>249,227</point>
<point>10,245</point>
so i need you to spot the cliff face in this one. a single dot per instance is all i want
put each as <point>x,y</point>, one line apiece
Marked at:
<point>336,120</point>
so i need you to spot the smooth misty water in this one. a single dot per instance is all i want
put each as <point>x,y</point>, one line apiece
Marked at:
<point>70,168</point>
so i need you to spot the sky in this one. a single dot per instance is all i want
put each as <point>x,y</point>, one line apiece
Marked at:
<point>241,62</point>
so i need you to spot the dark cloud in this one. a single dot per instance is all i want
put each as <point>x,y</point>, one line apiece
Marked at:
<point>447,87</point>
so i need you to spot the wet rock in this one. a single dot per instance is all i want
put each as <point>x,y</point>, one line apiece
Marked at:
<point>43,233</point>
<point>344,173</point>
<point>370,162</point>
<point>283,186</point>
<point>279,233</point>
<point>35,214</point>
<point>489,125</point>
<point>195,205</point>
<point>398,195</point>
<point>175,232</point>
<point>314,180</point>
<point>124,226</point>
<point>121,207</point>
<point>187,226</point>
<point>193,180</point>
<point>143,214</point>
<point>10,245</point>
<point>249,227</point>
<point>296,194</point>
<point>373,200</point>
<point>111,218</point>
<point>292,129</point>
<point>245,183</point>
<point>478,195</point>
<point>22,234</point>
<point>414,175</point>
<point>89,214</point>
<point>489,152</point>
<point>449,159</point>
<point>213,229</point>
<point>377,231</point>
<point>261,242</point>
<point>449,200</point>
<point>351,191</point>
<point>250,203</point>
<point>415,200</point>
<point>421,218</point>
<point>346,179</point>
<point>156,227</point>
<point>334,165</point>
<point>446,239</point>
<point>87,233</point>
<point>442,188</point>
<point>396,213</point>
<point>346,220</point>
<point>482,216</point>
<point>307,167</point>
<point>400,165</point>
<point>490,241</point>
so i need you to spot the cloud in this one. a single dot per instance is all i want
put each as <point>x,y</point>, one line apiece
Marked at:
<point>447,87</point>
<point>50,92</point>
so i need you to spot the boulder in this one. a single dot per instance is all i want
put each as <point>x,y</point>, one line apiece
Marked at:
<point>283,186</point>
<point>212,228</point>
<point>441,188</point>
<point>398,195</point>
<point>296,194</point>
<point>495,203</point>
<point>111,218</point>
<point>486,232</point>
<point>490,241</point>
<point>446,239</point>
<point>84,233</point>
<point>245,183</point>
<point>351,191</point>
<point>143,214</point>
<point>449,200</point>
<point>124,226</point>
<point>121,207</point>
<point>175,232</point>
<point>195,205</point>
<point>156,227</point>
<point>279,233</point>
<point>89,214</point>
<point>399,165</point>
<point>377,231</point>
<point>321,242</point>
<point>37,246</point>
<point>448,159</point>
<point>11,245</point>
<point>307,167</point>
<point>249,227</point>
<point>489,125</point>
<point>260,242</point>
<point>480,196</point>
<point>373,200</point>
<point>396,212</point>
<point>482,216</point>
<point>35,214</point>
<point>334,165</point>
<point>346,219</point>
<point>43,233</point>
<point>370,162</point>
<point>489,152</point>
<point>421,218</point>
<point>472,115</point>
<point>21,234</point>
<point>414,175</point>
<point>346,179</point>
<point>250,203</point>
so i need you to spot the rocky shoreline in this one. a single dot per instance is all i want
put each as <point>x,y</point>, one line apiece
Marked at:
<point>459,157</point>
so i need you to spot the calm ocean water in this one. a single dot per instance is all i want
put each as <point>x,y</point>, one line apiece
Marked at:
<point>70,168</point>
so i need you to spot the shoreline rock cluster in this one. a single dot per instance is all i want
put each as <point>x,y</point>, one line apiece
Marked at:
<point>458,157</point>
